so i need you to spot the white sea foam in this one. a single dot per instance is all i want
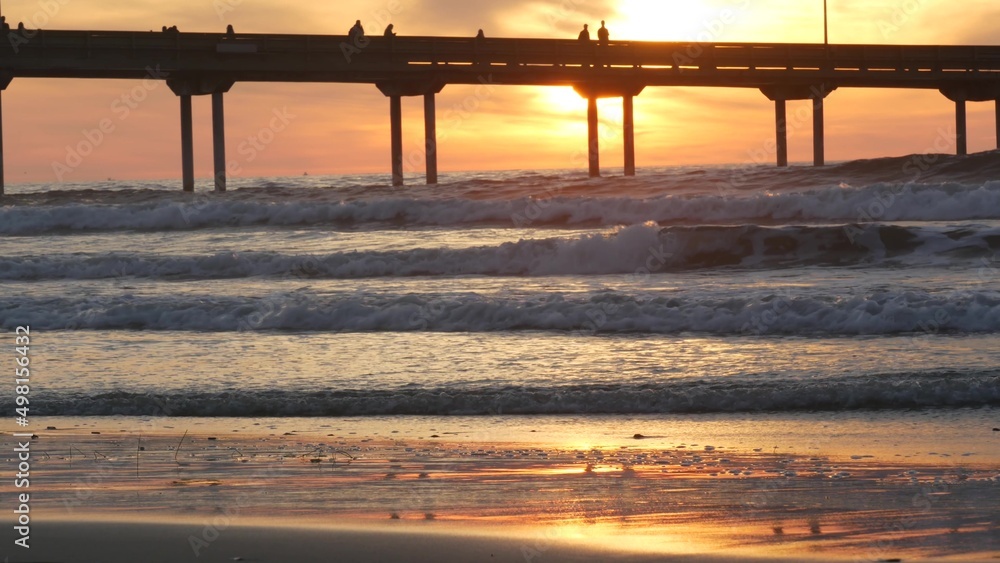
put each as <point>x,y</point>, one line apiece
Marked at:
<point>877,202</point>
<point>639,248</point>
<point>883,312</point>
<point>885,391</point>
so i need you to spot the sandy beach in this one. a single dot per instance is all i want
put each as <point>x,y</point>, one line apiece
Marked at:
<point>155,542</point>
<point>166,542</point>
<point>274,490</point>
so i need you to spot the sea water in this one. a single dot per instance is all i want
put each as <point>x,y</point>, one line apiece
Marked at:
<point>730,289</point>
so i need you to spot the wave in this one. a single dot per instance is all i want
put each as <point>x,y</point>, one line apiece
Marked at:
<point>978,167</point>
<point>888,391</point>
<point>533,206</point>
<point>877,313</point>
<point>642,248</point>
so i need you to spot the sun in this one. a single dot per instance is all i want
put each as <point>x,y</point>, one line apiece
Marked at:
<point>563,99</point>
<point>659,20</point>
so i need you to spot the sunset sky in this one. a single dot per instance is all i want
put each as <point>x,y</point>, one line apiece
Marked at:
<point>337,129</point>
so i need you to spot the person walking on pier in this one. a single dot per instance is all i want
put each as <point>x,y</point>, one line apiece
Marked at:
<point>603,35</point>
<point>389,32</point>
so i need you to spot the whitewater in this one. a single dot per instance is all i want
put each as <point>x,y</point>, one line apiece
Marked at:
<point>727,289</point>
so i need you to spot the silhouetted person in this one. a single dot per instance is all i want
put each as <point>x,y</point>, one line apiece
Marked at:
<point>585,34</point>
<point>602,34</point>
<point>4,24</point>
<point>357,32</point>
<point>389,32</point>
<point>164,30</point>
<point>477,46</point>
<point>230,32</point>
<point>20,27</point>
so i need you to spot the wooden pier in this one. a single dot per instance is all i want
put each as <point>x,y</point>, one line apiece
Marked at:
<point>194,64</point>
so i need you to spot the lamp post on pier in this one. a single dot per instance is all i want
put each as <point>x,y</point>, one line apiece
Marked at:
<point>826,27</point>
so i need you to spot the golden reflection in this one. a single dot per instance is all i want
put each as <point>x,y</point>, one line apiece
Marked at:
<point>665,499</point>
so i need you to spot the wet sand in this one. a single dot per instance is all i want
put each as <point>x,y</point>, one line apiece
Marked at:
<point>169,542</point>
<point>551,499</point>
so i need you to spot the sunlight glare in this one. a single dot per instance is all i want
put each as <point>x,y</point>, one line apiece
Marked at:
<point>656,20</point>
<point>563,99</point>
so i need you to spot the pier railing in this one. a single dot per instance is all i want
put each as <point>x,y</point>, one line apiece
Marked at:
<point>326,58</point>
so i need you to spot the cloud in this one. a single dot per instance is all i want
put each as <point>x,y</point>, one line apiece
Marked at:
<point>459,17</point>
<point>513,18</point>
<point>979,30</point>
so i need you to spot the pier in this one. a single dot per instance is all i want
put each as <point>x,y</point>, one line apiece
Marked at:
<point>210,64</point>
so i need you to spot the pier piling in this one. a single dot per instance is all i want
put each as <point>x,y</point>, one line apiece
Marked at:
<point>780,94</point>
<point>5,79</point>
<point>781,131</point>
<point>187,144</point>
<point>628,132</point>
<point>430,138</point>
<point>395,90</point>
<point>593,142</point>
<point>961,129</point>
<point>219,141</point>
<point>1,144</point>
<point>396,118</point>
<point>996,104</point>
<point>593,91</point>
<point>819,143</point>
<point>198,85</point>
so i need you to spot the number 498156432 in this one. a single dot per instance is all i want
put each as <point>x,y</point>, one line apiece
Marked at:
<point>22,342</point>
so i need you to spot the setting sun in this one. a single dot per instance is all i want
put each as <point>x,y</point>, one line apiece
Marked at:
<point>562,100</point>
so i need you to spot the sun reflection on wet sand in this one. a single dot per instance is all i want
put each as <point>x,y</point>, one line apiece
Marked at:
<point>701,498</point>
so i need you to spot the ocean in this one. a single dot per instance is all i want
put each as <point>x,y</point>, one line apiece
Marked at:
<point>745,303</point>
<point>682,290</point>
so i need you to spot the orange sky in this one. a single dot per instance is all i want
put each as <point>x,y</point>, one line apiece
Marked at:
<point>336,129</point>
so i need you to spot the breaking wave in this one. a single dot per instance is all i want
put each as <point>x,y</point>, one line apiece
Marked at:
<point>877,313</point>
<point>886,391</point>
<point>631,249</point>
<point>880,202</point>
